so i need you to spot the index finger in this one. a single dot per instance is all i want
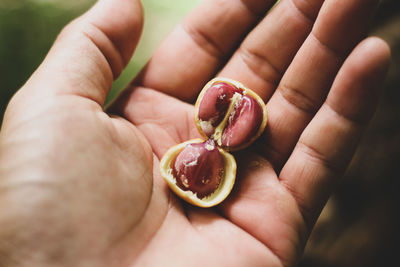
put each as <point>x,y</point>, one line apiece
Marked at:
<point>196,49</point>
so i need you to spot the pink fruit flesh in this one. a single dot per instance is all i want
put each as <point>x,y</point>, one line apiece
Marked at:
<point>199,168</point>
<point>243,123</point>
<point>214,105</point>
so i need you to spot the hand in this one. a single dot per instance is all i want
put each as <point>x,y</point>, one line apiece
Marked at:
<point>79,187</point>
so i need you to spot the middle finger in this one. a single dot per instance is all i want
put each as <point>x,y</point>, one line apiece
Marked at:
<point>268,50</point>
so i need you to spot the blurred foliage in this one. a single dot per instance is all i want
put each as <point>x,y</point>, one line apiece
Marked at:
<point>27,30</point>
<point>29,27</point>
<point>160,17</point>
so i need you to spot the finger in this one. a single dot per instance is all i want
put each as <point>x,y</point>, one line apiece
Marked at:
<point>267,51</point>
<point>306,83</point>
<point>195,50</point>
<point>91,51</point>
<point>329,141</point>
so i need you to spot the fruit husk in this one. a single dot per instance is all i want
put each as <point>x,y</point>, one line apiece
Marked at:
<point>248,92</point>
<point>224,187</point>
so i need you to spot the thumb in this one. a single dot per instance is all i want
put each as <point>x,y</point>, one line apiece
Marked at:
<point>90,52</point>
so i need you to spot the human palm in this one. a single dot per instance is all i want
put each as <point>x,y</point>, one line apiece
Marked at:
<point>97,197</point>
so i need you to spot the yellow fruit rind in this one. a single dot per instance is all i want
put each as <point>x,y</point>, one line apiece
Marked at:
<point>246,91</point>
<point>223,190</point>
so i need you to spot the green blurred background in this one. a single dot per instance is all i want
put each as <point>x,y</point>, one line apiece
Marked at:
<point>360,224</point>
<point>29,27</point>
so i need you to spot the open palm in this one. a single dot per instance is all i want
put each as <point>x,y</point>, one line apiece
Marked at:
<point>96,178</point>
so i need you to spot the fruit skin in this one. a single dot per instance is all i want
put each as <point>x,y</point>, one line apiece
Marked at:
<point>246,92</point>
<point>243,123</point>
<point>215,103</point>
<point>223,190</point>
<point>199,167</point>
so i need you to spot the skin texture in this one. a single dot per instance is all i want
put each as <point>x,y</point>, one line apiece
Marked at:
<point>80,187</point>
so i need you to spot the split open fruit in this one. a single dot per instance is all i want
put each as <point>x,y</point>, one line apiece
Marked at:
<point>230,117</point>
